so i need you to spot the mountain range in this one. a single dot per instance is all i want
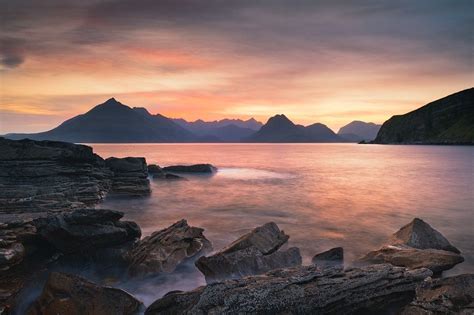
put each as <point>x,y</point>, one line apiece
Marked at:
<point>227,130</point>
<point>449,120</point>
<point>114,122</point>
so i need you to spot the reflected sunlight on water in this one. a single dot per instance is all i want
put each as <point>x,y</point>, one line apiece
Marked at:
<point>322,195</point>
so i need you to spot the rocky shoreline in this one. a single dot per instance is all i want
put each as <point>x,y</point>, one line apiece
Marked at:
<point>48,189</point>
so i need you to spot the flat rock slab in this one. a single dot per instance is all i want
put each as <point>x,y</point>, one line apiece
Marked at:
<point>164,250</point>
<point>73,295</point>
<point>196,168</point>
<point>453,295</point>
<point>299,290</point>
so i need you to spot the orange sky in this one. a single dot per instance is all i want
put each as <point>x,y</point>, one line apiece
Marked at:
<point>315,61</point>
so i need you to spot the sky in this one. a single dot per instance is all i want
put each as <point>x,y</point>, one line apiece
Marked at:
<point>315,61</point>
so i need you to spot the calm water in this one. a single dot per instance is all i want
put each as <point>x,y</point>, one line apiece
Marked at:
<point>322,195</point>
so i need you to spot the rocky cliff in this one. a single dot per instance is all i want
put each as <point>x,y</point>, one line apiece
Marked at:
<point>449,120</point>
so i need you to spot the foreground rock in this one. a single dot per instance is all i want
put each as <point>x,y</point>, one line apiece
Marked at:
<point>416,245</point>
<point>196,168</point>
<point>300,290</point>
<point>73,295</point>
<point>330,258</point>
<point>254,253</point>
<point>130,176</point>
<point>164,250</point>
<point>453,295</point>
<point>86,230</point>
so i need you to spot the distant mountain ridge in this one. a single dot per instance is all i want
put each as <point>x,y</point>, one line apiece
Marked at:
<point>231,130</point>
<point>281,129</point>
<point>449,120</point>
<point>358,130</point>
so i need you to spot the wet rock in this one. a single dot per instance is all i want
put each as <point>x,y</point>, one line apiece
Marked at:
<point>73,295</point>
<point>299,290</point>
<point>164,250</point>
<point>11,255</point>
<point>409,247</point>
<point>254,253</point>
<point>130,176</point>
<point>453,295</point>
<point>330,258</point>
<point>84,230</point>
<point>405,256</point>
<point>196,168</point>
<point>419,234</point>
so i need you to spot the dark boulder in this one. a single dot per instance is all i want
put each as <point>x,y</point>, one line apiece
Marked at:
<point>300,290</point>
<point>330,258</point>
<point>86,229</point>
<point>254,253</point>
<point>164,250</point>
<point>453,295</point>
<point>196,168</point>
<point>73,295</point>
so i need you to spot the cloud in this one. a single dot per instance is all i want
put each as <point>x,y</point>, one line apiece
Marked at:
<point>11,52</point>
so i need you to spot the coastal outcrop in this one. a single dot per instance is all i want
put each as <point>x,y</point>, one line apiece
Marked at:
<point>453,295</point>
<point>254,253</point>
<point>416,245</point>
<point>333,257</point>
<point>164,250</point>
<point>37,177</point>
<point>196,168</point>
<point>73,295</point>
<point>300,290</point>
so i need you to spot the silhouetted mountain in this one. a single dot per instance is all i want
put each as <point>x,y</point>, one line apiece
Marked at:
<point>114,122</point>
<point>202,127</point>
<point>225,130</point>
<point>358,130</point>
<point>449,120</point>
<point>280,129</point>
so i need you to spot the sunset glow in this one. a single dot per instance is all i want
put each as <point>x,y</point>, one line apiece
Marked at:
<point>315,61</point>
